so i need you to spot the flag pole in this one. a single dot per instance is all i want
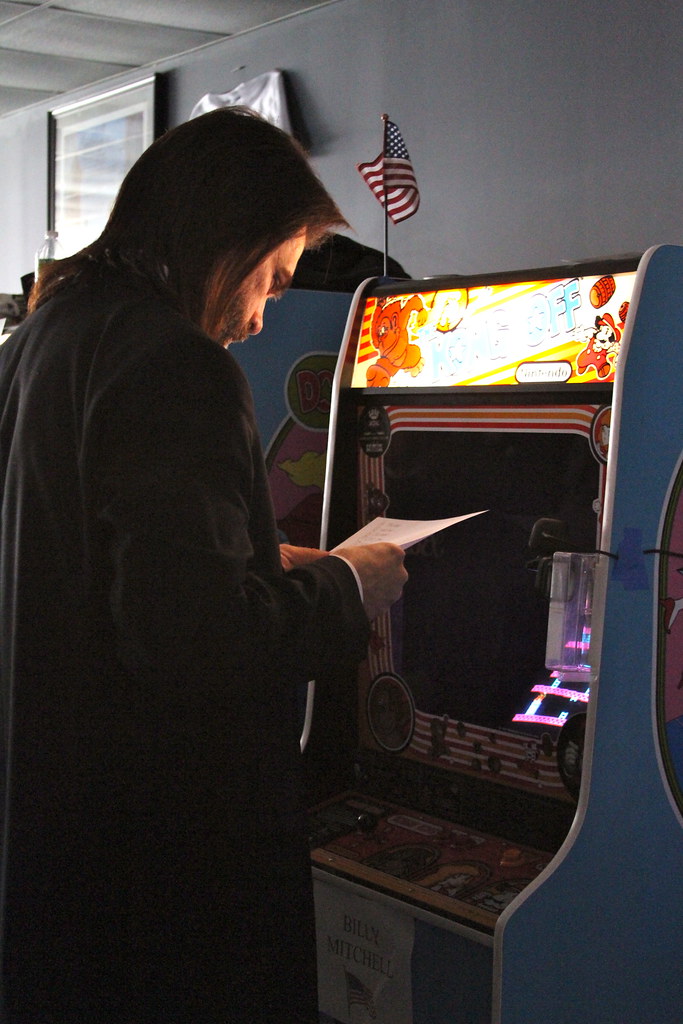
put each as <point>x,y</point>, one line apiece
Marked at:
<point>385,118</point>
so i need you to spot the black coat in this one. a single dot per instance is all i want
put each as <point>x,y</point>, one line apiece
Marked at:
<point>152,657</point>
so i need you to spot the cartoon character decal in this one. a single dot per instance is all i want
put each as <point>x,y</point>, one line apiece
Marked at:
<point>603,338</point>
<point>600,431</point>
<point>297,452</point>
<point>299,518</point>
<point>391,332</point>
<point>603,343</point>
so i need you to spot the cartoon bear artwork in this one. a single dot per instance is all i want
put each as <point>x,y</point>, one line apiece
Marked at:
<point>391,329</point>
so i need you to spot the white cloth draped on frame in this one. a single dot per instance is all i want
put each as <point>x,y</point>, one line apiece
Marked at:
<point>264,94</point>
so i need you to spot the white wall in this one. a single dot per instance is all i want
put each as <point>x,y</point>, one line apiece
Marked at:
<point>540,130</point>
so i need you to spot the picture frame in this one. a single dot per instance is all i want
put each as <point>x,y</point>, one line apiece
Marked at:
<point>92,143</point>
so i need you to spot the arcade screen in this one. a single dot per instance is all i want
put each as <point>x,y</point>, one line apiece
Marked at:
<point>469,634</point>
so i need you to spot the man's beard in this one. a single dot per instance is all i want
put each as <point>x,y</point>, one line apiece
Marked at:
<point>235,326</point>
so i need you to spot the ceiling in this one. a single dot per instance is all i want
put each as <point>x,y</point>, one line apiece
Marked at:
<point>50,47</point>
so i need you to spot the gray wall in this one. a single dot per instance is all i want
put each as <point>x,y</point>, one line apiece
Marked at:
<point>540,131</point>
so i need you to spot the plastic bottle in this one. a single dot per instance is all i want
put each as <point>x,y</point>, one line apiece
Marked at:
<point>49,251</point>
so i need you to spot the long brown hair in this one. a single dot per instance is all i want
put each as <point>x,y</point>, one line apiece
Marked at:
<point>201,207</point>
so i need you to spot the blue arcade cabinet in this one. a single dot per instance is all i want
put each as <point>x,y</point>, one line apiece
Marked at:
<point>508,844</point>
<point>607,913</point>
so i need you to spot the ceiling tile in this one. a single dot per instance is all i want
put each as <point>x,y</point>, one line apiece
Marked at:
<point>50,47</point>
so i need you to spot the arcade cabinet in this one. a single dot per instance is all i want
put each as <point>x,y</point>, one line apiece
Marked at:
<point>290,367</point>
<point>458,874</point>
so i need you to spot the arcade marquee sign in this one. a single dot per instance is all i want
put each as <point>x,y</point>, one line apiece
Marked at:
<point>531,332</point>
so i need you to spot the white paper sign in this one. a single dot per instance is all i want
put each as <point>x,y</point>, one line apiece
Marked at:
<point>364,958</point>
<point>403,532</point>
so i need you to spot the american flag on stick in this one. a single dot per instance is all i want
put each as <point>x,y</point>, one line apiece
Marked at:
<point>391,176</point>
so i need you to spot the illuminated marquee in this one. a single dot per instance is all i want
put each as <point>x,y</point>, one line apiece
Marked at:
<point>559,331</point>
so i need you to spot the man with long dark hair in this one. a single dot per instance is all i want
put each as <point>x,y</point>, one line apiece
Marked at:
<point>154,637</point>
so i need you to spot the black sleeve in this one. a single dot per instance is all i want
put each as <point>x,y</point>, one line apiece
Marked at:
<point>185,518</point>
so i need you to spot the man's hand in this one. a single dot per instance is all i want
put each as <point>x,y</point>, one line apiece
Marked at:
<point>291,556</point>
<point>381,571</point>
<point>379,566</point>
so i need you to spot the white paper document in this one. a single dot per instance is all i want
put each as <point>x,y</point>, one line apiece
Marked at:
<point>403,532</point>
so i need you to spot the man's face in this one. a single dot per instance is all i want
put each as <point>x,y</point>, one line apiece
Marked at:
<point>268,280</point>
